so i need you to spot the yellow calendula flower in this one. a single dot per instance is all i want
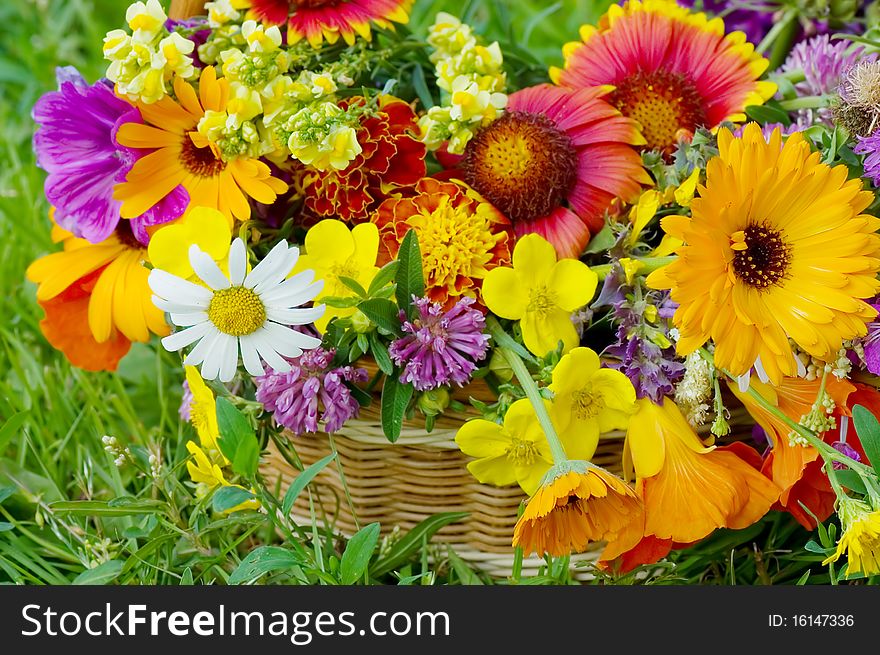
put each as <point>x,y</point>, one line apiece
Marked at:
<point>517,452</point>
<point>203,411</point>
<point>860,539</point>
<point>204,227</point>
<point>595,399</point>
<point>334,250</point>
<point>203,471</point>
<point>541,293</point>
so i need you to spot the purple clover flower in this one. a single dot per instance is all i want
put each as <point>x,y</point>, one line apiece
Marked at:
<point>76,145</point>
<point>311,386</point>
<point>870,146</point>
<point>440,347</point>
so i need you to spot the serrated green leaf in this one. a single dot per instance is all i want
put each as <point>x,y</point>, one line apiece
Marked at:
<point>380,354</point>
<point>353,284</point>
<point>302,481</point>
<point>868,430</point>
<point>395,400</point>
<point>265,559</point>
<point>407,545</point>
<point>225,498</point>
<point>383,278</point>
<point>383,313</point>
<point>410,279</point>
<point>101,574</point>
<point>357,554</point>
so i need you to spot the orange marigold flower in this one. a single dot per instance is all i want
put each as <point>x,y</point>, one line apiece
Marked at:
<point>672,69</point>
<point>462,237</point>
<point>391,157</point>
<point>577,503</point>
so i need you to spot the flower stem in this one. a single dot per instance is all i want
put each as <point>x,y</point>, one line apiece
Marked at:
<point>651,264</point>
<point>342,479</point>
<point>805,102</point>
<point>531,389</point>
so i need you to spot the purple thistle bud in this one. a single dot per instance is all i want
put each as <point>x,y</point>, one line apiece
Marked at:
<point>440,347</point>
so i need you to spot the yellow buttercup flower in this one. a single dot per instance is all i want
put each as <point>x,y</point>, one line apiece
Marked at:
<point>517,452</point>
<point>860,539</point>
<point>203,471</point>
<point>594,399</point>
<point>541,293</point>
<point>204,227</point>
<point>776,248</point>
<point>203,411</point>
<point>332,250</point>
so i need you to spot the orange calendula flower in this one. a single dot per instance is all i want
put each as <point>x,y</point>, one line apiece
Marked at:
<point>776,247</point>
<point>317,20</point>
<point>462,237</point>
<point>577,503</point>
<point>183,156</point>
<point>689,490</point>
<point>672,70</point>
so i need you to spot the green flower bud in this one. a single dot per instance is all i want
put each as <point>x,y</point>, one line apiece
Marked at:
<point>499,366</point>
<point>360,323</point>
<point>434,401</point>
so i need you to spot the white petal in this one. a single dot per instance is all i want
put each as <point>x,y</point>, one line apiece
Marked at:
<point>197,355</point>
<point>214,357</point>
<point>249,355</point>
<point>279,273</point>
<point>176,307</point>
<point>742,381</point>
<point>284,296</point>
<point>759,369</point>
<point>237,262</point>
<point>207,269</point>
<point>188,318</point>
<point>298,316</point>
<point>229,362</point>
<point>286,341</point>
<point>801,369</point>
<point>269,354</point>
<point>183,338</point>
<point>260,271</point>
<point>176,289</point>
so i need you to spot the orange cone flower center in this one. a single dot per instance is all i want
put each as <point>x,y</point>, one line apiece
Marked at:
<point>523,164</point>
<point>666,105</point>
<point>760,256</point>
<point>201,162</point>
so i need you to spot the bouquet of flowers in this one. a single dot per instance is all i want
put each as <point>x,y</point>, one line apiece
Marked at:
<point>320,209</point>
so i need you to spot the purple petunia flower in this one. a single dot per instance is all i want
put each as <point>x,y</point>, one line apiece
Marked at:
<point>76,145</point>
<point>440,348</point>
<point>296,397</point>
<point>870,145</point>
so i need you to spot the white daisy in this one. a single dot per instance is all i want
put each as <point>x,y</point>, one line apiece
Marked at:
<point>249,312</point>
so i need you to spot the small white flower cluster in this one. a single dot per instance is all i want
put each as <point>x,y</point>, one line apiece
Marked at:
<point>694,391</point>
<point>840,366</point>
<point>121,455</point>
<point>472,80</point>
<point>143,62</point>
<point>819,419</point>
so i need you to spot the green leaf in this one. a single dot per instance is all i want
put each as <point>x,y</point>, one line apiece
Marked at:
<point>395,400</point>
<point>118,507</point>
<point>340,302</point>
<point>364,398</point>
<point>380,354</point>
<point>383,313</point>
<point>12,427</point>
<point>101,574</point>
<point>813,547</point>
<point>353,284</point>
<point>868,429</point>
<point>358,553</point>
<point>264,559</point>
<point>186,580</point>
<point>410,280</point>
<point>466,575</point>
<point>225,498</point>
<point>407,546</point>
<point>6,527</point>
<point>768,114</point>
<point>237,441</point>
<point>851,480</point>
<point>302,481</point>
<point>420,85</point>
<point>6,492</point>
<point>383,278</point>
<point>602,241</point>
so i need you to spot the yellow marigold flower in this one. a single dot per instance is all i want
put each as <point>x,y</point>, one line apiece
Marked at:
<point>201,226</point>
<point>205,472</point>
<point>592,398</point>
<point>203,412</point>
<point>516,452</point>
<point>332,250</point>
<point>860,539</point>
<point>776,247</point>
<point>541,293</point>
<point>576,504</point>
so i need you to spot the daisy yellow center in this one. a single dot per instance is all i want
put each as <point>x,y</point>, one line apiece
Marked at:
<point>587,403</point>
<point>523,164</point>
<point>664,104</point>
<point>237,311</point>
<point>761,256</point>
<point>201,162</point>
<point>455,242</point>
<point>522,452</point>
<point>541,301</point>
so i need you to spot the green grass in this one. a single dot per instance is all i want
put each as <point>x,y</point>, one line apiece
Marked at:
<point>145,528</point>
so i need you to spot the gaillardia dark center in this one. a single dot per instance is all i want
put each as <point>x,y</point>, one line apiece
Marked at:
<point>761,256</point>
<point>664,104</point>
<point>522,163</point>
<point>201,162</point>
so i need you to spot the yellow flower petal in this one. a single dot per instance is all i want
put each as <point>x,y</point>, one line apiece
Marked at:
<point>572,283</point>
<point>534,256</point>
<point>505,294</point>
